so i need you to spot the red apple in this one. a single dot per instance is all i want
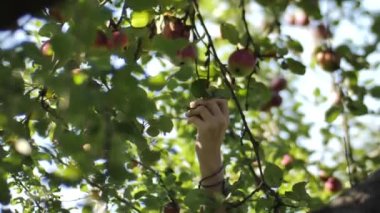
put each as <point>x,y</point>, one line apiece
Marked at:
<point>101,39</point>
<point>287,160</point>
<point>188,53</point>
<point>278,84</point>
<point>118,40</point>
<point>242,62</point>
<point>175,28</point>
<point>171,208</point>
<point>301,18</point>
<point>291,19</point>
<point>46,49</point>
<point>275,101</point>
<point>333,184</point>
<point>328,60</point>
<point>322,32</point>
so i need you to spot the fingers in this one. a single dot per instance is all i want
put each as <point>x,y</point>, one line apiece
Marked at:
<point>213,107</point>
<point>222,103</point>
<point>195,104</point>
<point>200,110</point>
<point>196,120</point>
<point>216,106</point>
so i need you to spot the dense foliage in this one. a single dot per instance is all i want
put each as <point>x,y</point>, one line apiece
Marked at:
<point>95,100</point>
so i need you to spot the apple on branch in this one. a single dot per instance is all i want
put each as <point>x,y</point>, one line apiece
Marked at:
<point>175,28</point>
<point>278,84</point>
<point>101,39</point>
<point>275,101</point>
<point>322,32</point>
<point>333,184</point>
<point>46,49</point>
<point>301,18</point>
<point>242,62</point>
<point>328,59</point>
<point>187,54</point>
<point>118,40</point>
<point>287,160</point>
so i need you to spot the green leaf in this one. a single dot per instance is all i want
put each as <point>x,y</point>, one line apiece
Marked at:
<point>220,93</point>
<point>299,194</point>
<point>185,72</point>
<point>195,198</point>
<point>5,196</point>
<point>273,175</point>
<point>141,4</point>
<point>332,113</point>
<point>294,45</point>
<point>149,157</point>
<point>63,45</point>
<point>156,82</point>
<point>264,205</point>
<point>69,173</point>
<point>49,29</point>
<point>300,190</point>
<point>229,32</point>
<point>357,107</point>
<point>152,131</point>
<point>375,92</point>
<point>295,67</point>
<point>168,46</point>
<point>140,18</point>
<point>165,124</point>
<point>199,88</point>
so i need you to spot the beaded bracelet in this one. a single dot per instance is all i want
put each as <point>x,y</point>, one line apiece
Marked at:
<point>200,184</point>
<point>214,184</point>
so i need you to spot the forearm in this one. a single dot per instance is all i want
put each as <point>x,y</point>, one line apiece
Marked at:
<point>211,168</point>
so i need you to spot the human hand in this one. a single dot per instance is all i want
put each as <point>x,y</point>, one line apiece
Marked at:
<point>210,117</point>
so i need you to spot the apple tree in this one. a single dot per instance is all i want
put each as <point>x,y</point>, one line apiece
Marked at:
<point>93,97</point>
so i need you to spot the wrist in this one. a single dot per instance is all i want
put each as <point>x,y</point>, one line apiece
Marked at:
<point>209,162</point>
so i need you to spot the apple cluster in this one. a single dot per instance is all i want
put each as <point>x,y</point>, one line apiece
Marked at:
<point>300,18</point>
<point>176,28</point>
<point>118,39</point>
<point>277,84</point>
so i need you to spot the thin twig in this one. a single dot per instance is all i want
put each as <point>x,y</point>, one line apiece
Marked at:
<point>249,37</point>
<point>33,197</point>
<point>239,203</point>
<point>123,13</point>
<point>158,176</point>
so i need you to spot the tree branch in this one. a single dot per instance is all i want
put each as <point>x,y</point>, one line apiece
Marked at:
<point>254,142</point>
